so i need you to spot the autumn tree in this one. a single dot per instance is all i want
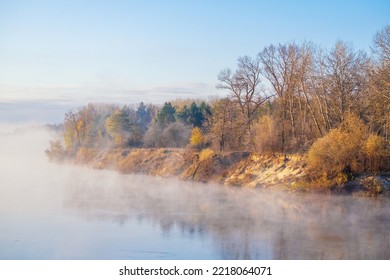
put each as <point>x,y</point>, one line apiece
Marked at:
<point>85,127</point>
<point>244,88</point>
<point>72,132</point>
<point>78,127</point>
<point>311,95</point>
<point>378,99</point>
<point>152,137</point>
<point>289,69</point>
<point>346,76</point>
<point>56,151</point>
<point>197,139</point>
<point>381,44</point>
<point>225,125</point>
<point>166,131</point>
<point>377,153</point>
<point>175,135</point>
<point>266,134</point>
<point>118,126</point>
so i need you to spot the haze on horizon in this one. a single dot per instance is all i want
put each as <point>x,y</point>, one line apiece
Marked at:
<point>62,54</point>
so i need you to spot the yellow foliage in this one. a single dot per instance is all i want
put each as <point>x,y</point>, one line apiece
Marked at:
<point>85,155</point>
<point>197,139</point>
<point>341,149</point>
<point>118,139</point>
<point>68,139</point>
<point>353,125</point>
<point>80,125</point>
<point>375,150</point>
<point>375,146</point>
<point>205,154</point>
<point>322,182</point>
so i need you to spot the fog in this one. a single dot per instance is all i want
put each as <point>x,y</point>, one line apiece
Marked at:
<point>62,211</point>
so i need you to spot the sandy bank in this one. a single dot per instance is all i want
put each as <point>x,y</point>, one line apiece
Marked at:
<point>242,169</point>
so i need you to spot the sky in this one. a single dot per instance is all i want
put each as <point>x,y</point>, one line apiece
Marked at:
<point>79,51</point>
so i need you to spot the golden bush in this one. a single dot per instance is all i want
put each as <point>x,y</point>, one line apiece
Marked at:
<point>375,150</point>
<point>206,154</point>
<point>341,150</point>
<point>197,139</point>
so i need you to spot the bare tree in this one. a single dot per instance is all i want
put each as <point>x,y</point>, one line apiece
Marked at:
<point>378,100</point>
<point>244,87</point>
<point>346,79</point>
<point>226,125</point>
<point>381,45</point>
<point>284,68</point>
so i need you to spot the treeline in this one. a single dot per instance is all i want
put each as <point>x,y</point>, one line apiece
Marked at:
<point>291,94</point>
<point>114,126</point>
<point>283,100</point>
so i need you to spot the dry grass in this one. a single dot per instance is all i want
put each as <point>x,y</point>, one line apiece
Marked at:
<point>321,183</point>
<point>86,155</point>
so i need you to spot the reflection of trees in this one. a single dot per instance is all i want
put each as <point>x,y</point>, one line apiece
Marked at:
<point>244,223</point>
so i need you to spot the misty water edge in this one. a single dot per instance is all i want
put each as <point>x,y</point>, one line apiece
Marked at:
<point>53,211</point>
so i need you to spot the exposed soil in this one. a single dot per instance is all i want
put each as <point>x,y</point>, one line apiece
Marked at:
<point>241,169</point>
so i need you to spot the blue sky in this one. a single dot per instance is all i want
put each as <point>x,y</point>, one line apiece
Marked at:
<point>125,51</point>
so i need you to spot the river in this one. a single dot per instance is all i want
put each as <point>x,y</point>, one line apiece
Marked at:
<point>59,211</point>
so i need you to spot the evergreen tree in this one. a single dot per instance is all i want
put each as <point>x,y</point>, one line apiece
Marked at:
<point>143,117</point>
<point>166,115</point>
<point>196,117</point>
<point>183,114</point>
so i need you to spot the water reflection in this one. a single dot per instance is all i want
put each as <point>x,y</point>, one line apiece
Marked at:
<point>50,211</point>
<point>242,223</point>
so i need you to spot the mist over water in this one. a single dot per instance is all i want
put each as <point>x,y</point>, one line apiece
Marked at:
<point>54,211</point>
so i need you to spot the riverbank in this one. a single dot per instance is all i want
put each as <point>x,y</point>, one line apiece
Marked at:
<point>242,169</point>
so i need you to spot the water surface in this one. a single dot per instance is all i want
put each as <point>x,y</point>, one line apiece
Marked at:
<point>52,211</point>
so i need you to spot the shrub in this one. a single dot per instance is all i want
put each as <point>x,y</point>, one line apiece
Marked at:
<point>56,151</point>
<point>374,187</point>
<point>175,135</point>
<point>152,137</point>
<point>322,182</point>
<point>340,150</point>
<point>375,151</point>
<point>206,154</point>
<point>85,155</point>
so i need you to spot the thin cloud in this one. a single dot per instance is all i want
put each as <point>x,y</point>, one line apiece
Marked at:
<point>50,103</point>
<point>81,93</point>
